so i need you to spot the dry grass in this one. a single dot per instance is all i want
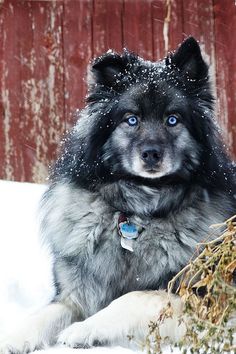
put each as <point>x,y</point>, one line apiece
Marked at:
<point>207,288</point>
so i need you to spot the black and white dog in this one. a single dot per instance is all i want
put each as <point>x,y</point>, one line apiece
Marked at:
<point>142,176</point>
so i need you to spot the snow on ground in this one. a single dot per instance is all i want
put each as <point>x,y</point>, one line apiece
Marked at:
<point>25,276</point>
<point>25,267</point>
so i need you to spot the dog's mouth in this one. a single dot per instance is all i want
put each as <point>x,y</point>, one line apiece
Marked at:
<point>151,170</point>
<point>152,173</point>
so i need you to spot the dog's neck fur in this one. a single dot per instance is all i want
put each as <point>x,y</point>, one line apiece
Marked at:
<point>141,200</point>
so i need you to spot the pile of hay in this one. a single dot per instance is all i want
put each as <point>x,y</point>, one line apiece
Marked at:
<point>207,287</point>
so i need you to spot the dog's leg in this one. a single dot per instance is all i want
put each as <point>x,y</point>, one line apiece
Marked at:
<point>39,330</point>
<point>129,315</point>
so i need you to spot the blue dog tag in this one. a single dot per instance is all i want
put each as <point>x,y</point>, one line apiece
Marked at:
<point>128,230</point>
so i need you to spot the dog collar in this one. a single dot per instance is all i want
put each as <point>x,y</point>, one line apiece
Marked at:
<point>128,232</point>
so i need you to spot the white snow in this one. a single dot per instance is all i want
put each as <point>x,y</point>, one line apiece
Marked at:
<point>25,266</point>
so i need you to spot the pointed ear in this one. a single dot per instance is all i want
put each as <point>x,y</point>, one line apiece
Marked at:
<point>107,70</point>
<point>188,59</point>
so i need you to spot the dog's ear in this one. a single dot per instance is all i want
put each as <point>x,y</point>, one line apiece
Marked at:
<point>188,59</point>
<point>108,69</point>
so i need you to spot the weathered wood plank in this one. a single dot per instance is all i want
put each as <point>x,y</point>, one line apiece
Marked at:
<point>225,51</point>
<point>3,100</point>
<point>10,153</point>
<point>107,26</point>
<point>167,26</point>
<point>137,27</point>
<point>78,51</point>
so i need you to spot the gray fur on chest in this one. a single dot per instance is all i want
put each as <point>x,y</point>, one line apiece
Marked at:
<point>91,268</point>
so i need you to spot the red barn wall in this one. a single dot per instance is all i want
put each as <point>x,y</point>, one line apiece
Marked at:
<point>45,47</point>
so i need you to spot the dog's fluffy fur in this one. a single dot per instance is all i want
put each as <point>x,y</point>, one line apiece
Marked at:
<point>145,146</point>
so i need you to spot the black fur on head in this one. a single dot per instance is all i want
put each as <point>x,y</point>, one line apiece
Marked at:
<point>122,83</point>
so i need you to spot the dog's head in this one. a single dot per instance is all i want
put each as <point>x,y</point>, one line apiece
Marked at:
<point>144,121</point>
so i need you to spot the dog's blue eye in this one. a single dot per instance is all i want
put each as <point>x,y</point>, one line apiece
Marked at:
<point>172,121</point>
<point>132,121</point>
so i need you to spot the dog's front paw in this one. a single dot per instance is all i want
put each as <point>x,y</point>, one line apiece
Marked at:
<point>17,345</point>
<point>22,340</point>
<point>81,335</point>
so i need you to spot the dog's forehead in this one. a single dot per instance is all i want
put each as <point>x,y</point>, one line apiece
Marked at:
<point>150,77</point>
<point>151,96</point>
<point>152,70</point>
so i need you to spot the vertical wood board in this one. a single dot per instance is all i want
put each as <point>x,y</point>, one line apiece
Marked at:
<point>225,58</point>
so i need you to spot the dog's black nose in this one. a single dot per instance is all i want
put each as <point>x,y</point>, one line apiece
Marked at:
<point>151,155</point>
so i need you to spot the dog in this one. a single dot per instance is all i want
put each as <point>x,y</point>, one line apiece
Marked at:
<point>141,177</point>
